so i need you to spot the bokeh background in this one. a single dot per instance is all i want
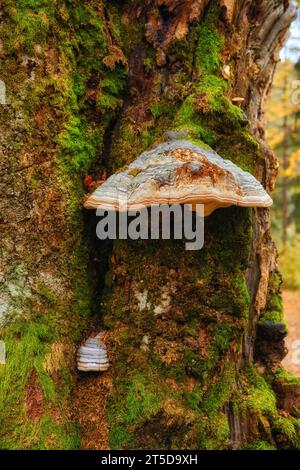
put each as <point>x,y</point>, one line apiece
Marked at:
<point>283,135</point>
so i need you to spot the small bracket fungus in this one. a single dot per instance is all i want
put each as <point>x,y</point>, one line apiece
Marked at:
<point>92,355</point>
<point>226,72</point>
<point>179,172</point>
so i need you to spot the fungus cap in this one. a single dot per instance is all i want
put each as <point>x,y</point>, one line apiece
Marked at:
<point>92,355</point>
<point>179,172</point>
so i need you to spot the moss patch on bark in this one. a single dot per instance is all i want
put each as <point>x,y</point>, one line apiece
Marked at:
<point>64,94</point>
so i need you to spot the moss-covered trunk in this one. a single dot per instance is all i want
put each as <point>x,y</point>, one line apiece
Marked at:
<point>89,86</point>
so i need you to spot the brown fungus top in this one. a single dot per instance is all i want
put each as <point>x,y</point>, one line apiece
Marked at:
<point>179,172</point>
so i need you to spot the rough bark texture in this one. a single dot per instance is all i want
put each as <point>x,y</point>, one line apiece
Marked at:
<point>89,86</point>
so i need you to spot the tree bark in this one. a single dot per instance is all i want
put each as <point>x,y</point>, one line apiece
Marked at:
<point>90,85</point>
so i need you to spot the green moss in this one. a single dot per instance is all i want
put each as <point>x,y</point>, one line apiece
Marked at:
<point>141,400</point>
<point>187,119</point>
<point>219,433</point>
<point>148,64</point>
<point>259,445</point>
<point>287,378</point>
<point>193,399</point>
<point>210,42</point>
<point>209,46</point>
<point>156,110</point>
<point>274,305</point>
<point>273,316</point>
<point>180,50</point>
<point>219,392</point>
<point>186,112</point>
<point>34,181</point>
<point>195,365</point>
<point>83,95</point>
<point>137,400</point>
<point>213,428</point>
<point>119,435</point>
<point>47,434</point>
<point>53,436</point>
<point>222,334</point>
<point>132,34</point>
<point>129,145</point>
<point>32,21</point>
<point>27,344</point>
<point>77,148</point>
<point>239,147</point>
<point>261,401</point>
<point>260,398</point>
<point>274,302</point>
<point>221,124</point>
<point>289,430</point>
<point>206,125</point>
<point>46,293</point>
<point>208,299</point>
<point>196,134</point>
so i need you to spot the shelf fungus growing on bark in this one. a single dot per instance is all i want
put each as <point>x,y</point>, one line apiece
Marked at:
<point>179,172</point>
<point>92,355</point>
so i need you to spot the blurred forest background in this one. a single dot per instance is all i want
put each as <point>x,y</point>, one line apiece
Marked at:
<point>283,135</point>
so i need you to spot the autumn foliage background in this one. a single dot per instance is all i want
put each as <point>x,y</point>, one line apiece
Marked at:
<point>283,135</point>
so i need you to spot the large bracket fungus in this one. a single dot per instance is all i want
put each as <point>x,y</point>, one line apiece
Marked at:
<point>179,172</point>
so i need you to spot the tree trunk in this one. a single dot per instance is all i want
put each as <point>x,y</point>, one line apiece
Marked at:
<point>89,86</point>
